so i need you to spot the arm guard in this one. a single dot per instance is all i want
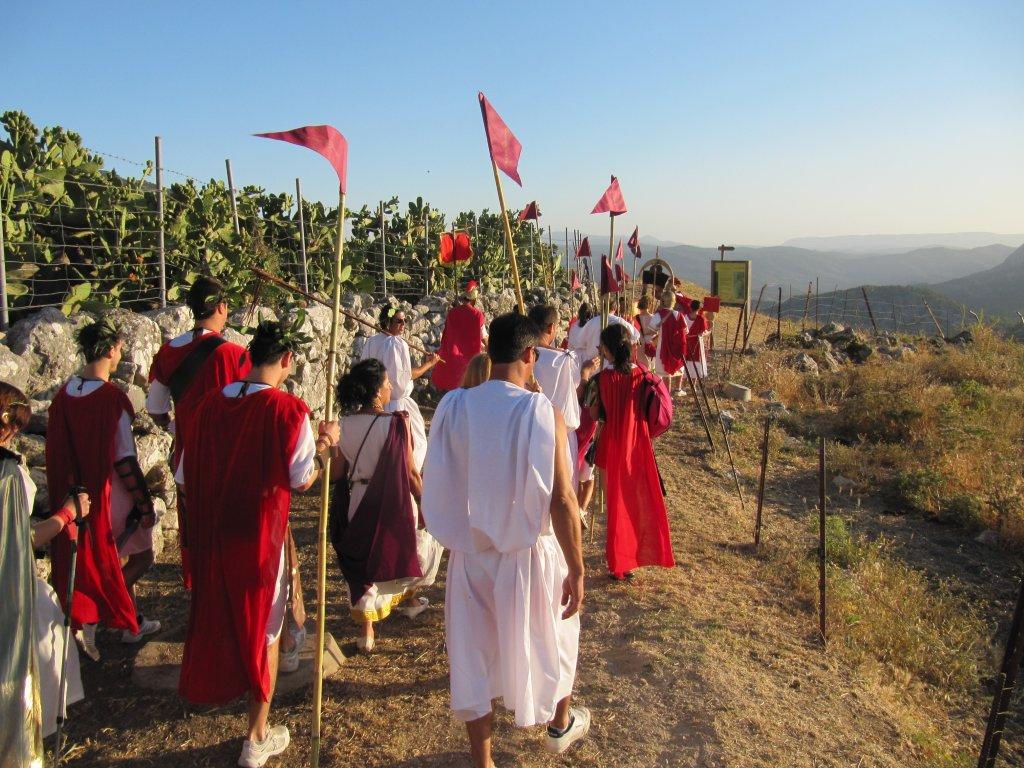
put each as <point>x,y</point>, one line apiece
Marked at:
<point>130,472</point>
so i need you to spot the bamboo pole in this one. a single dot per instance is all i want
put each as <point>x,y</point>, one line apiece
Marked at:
<point>700,411</point>
<point>231,191</point>
<point>871,314</point>
<point>264,275</point>
<point>935,320</point>
<point>728,450</point>
<point>508,240</point>
<point>748,331</point>
<point>821,540</point>
<point>302,235</point>
<point>551,262</point>
<point>325,492</point>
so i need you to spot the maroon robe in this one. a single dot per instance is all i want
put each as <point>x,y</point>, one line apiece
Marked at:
<point>697,327</point>
<point>236,477</point>
<point>88,427</point>
<point>379,542</point>
<point>227,363</point>
<point>638,532</point>
<point>673,342</point>
<point>461,341</point>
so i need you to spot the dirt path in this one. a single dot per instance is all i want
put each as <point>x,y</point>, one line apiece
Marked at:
<point>713,663</point>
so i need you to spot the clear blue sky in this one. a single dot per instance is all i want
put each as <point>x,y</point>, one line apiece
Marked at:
<point>747,122</point>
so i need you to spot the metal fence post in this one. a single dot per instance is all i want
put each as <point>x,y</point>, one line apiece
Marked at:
<point>4,316</point>
<point>302,235</point>
<point>231,191</point>
<point>160,215</point>
<point>426,250</point>
<point>383,252</point>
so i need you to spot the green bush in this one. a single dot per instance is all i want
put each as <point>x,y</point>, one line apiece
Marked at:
<point>916,489</point>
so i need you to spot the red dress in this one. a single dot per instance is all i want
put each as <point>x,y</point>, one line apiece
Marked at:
<point>236,477</point>
<point>638,532</point>
<point>84,429</point>
<point>461,341</point>
<point>226,364</point>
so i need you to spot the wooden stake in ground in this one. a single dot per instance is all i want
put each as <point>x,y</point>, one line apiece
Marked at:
<point>728,448</point>
<point>760,483</point>
<point>821,540</point>
<point>1006,682</point>
<point>871,314</point>
<point>736,338</point>
<point>747,332</point>
<point>696,402</point>
<point>778,318</point>
<point>807,307</point>
<point>934,319</point>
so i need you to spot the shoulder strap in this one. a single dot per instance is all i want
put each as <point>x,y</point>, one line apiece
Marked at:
<point>355,461</point>
<point>185,373</point>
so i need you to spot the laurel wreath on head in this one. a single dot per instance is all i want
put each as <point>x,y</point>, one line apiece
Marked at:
<point>96,338</point>
<point>285,334</point>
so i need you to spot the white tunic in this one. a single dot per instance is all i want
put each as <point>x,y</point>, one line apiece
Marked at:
<point>487,493</point>
<point>590,337</point>
<point>393,352</point>
<point>698,369</point>
<point>655,325</point>
<point>558,374</point>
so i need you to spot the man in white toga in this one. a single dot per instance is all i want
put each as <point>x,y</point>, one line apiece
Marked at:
<point>497,492</point>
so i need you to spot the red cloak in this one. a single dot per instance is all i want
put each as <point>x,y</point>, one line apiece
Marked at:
<point>88,426</point>
<point>236,477</point>
<point>698,326</point>
<point>228,362</point>
<point>461,341</point>
<point>638,532</point>
<point>673,342</point>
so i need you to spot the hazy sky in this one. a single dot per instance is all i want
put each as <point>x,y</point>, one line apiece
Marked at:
<point>745,122</point>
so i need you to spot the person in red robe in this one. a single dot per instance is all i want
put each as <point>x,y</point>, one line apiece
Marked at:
<point>251,446</point>
<point>697,327</point>
<point>463,339</point>
<point>638,533</point>
<point>185,369</point>
<point>90,445</point>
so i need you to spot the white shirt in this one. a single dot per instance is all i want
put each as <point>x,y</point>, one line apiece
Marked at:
<point>558,374</point>
<point>159,398</point>
<point>590,338</point>
<point>393,352</point>
<point>124,442</point>
<point>301,464</point>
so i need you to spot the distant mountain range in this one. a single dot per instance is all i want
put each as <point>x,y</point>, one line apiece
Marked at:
<point>999,290</point>
<point>864,244</point>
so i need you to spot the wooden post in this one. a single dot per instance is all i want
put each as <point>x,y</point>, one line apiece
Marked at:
<point>325,492</point>
<point>807,308</point>
<point>736,338</point>
<point>760,483</point>
<point>778,318</point>
<point>551,262</point>
<point>700,411</point>
<point>426,248</point>
<point>508,240</point>
<point>871,314</point>
<point>831,304</point>
<point>934,319</point>
<point>1006,682</point>
<point>383,254</point>
<point>749,330</point>
<point>568,277</point>
<point>160,215</point>
<point>821,540</point>
<point>895,322</point>
<point>842,318</point>
<point>231,191</point>
<point>4,316</point>
<point>817,303</point>
<point>728,449</point>
<point>302,235</point>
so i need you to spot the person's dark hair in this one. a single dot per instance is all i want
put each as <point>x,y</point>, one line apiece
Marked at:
<point>509,336</point>
<point>272,338</point>
<point>543,315</point>
<point>203,297</point>
<point>695,305</point>
<point>359,387</point>
<point>644,303</point>
<point>584,314</point>
<point>14,411</point>
<point>387,311</point>
<point>616,338</point>
<point>96,339</point>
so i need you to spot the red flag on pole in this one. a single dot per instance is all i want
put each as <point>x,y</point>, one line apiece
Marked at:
<point>531,211</point>
<point>576,285</point>
<point>634,242</point>
<point>454,247</point>
<point>618,251</point>
<point>608,282</point>
<point>583,252</point>
<point>620,276</point>
<point>463,248</point>
<point>324,139</point>
<point>446,248</point>
<point>501,142</point>
<point>611,201</point>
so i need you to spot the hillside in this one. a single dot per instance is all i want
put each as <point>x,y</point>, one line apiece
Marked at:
<point>878,244</point>
<point>999,290</point>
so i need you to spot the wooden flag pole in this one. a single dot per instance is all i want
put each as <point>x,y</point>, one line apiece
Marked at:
<point>606,298</point>
<point>325,493</point>
<point>508,240</point>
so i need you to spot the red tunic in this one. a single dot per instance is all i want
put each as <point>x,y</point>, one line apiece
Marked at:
<point>699,326</point>
<point>228,363</point>
<point>461,341</point>
<point>236,477</point>
<point>89,424</point>
<point>673,342</point>
<point>637,519</point>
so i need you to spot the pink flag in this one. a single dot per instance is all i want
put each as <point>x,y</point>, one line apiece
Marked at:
<point>618,251</point>
<point>324,139</point>
<point>575,280</point>
<point>502,143</point>
<point>531,211</point>
<point>608,282</point>
<point>611,201</point>
<point>583,252</point>
<point>634,242</point>
<point>620,275</point>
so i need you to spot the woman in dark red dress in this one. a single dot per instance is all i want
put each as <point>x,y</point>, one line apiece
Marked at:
<point>638,532</point>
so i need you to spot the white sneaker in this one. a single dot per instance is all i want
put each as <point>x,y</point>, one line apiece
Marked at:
<point>146,627</point>
<point>412,611</point>
<point>86,637</point>
<point>256,753</point>
<point>289,661</point>
<point>580,719</point>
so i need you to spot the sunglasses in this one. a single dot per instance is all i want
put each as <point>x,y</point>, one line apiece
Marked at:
<point>398,320</point>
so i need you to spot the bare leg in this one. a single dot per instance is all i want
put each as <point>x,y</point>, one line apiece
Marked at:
<point>479,732</point>
<point>259,711</point>
<point>410,597</point>
<point>368,630</point>
<point>586,494</point>
<point>133,570</point>
<point>561,718</point>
